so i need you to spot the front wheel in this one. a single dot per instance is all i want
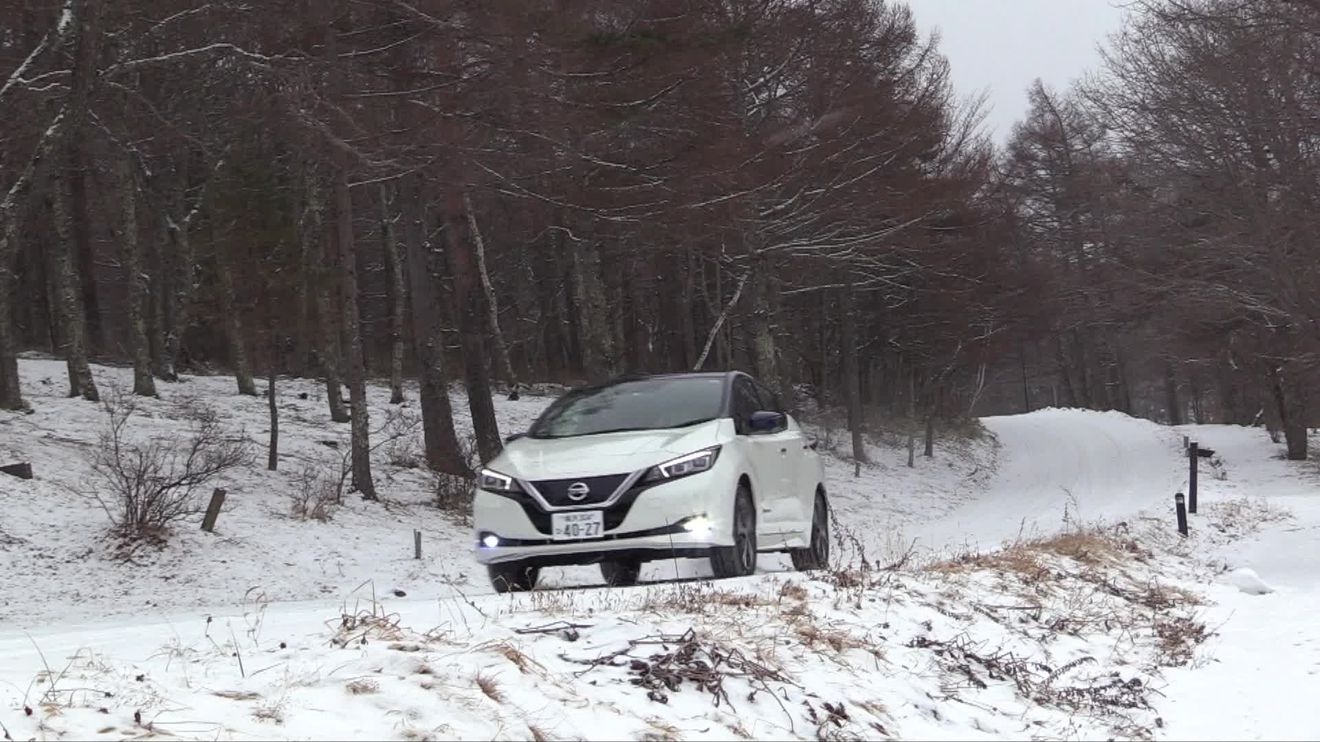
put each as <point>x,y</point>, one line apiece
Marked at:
<point>513,577</point>
<point>738,560</point>
<point>817,554</point>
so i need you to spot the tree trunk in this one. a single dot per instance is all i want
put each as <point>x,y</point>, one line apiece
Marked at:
<point>851,374</point>
<point>178,303</point>
<point>157,297</point>
<point>763,335</point>
<point>467,302</point>
<point>72,317</point>
<point>137,285</point>
<point>443,453</point>
<point>352,327</point>
<point>688,325</point>
<point>273,450</point>
<point>1171,394</point>
<point>328,321</point>
<point>1065,375</point>
<point>85,30</point>
<point>930,434</point>
<point>68,201</point>
<point>11,395</point>
<point>305,331</point>
<point>719,322</point>
<point>1026,386</point>
<point>238,354</point>
<point>1292,415</point>
<point>492,305</point>
<point>394,290</point>
<point>85,257</point>
<point>911,419</point>
<point>598,352</point>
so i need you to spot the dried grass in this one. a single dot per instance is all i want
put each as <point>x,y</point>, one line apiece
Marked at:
<point>1017,559</point>
<point>1089,547</point>
<point>1177,639</point>
<point>490,687</point>
<point>793,590</point>
<point>272,712</point>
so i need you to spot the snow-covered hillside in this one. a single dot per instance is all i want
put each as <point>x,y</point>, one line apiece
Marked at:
<point>1089,624</point>
<point>260,549</point>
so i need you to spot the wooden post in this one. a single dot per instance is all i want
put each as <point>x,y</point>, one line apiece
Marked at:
<point>417,544</point>
<point>1181,509</point>
<point>1192,456</point>
<point>213,510</point>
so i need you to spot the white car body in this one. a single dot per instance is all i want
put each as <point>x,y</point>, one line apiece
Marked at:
<point>686,516</point>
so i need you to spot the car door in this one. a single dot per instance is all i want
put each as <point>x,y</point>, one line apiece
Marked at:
<point>789,441</point>
<point>762,453</point>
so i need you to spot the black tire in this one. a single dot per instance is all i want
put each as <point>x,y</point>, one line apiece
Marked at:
<point>622,573</point>
<point>738,560</point>
<point>817,555</point>
<point>513,577</point>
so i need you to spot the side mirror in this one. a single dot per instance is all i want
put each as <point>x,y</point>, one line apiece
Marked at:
<point>514,437</point>
<point>766,421</point>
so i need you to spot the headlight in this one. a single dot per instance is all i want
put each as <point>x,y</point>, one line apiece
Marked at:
<point>693,463</point>
<point>493,481</point>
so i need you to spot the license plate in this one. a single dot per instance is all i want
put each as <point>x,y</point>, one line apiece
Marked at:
<point>569,526</point>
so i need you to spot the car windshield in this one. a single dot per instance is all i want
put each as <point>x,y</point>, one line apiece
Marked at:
<point>642,404</point>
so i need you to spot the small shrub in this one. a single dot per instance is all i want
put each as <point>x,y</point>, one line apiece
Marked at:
<point>315,496</point>
<point>400,440</point>
<point>453,492</point>
<point>145,487</point>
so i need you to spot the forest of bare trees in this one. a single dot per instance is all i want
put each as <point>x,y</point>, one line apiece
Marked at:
<point>493,193</point>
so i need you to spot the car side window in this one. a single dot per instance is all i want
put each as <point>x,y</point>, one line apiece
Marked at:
<point>745,402</point>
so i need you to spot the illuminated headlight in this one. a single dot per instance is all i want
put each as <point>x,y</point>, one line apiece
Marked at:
<point>493,481</point>
<point>699,526</point>
<point>693,463</point>
<point>490,541</point>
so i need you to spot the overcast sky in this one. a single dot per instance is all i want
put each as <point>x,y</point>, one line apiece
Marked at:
<point>1002,45</point>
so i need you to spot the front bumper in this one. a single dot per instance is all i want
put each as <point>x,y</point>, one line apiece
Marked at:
<point>647,522</point>
<point>644,548</point>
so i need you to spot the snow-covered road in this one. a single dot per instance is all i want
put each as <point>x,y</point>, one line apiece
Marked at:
<point>1058,466</point>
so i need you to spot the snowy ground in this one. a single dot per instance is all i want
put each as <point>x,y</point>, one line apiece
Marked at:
<point>256,631</point>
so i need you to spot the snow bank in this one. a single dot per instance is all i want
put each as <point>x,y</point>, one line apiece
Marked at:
<point>1026,646</point>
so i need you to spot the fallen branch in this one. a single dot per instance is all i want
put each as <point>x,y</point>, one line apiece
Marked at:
<point>719,322</point>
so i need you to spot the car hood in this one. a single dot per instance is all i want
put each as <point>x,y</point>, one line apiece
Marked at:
<point>609,453</point>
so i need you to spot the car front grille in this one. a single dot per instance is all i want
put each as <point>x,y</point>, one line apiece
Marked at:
<point>614,514</point>
<point>567,492</point>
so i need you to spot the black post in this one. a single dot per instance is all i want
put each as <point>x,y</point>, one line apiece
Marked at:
<point>213,510</point>
<point>1192,456</point>
<point>1182,513</point>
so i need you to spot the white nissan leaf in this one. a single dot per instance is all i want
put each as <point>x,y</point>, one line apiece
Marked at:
<point>643,468</point>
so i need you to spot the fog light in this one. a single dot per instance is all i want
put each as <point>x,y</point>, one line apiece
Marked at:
<point>699,526</point>
<point>490,541</point>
